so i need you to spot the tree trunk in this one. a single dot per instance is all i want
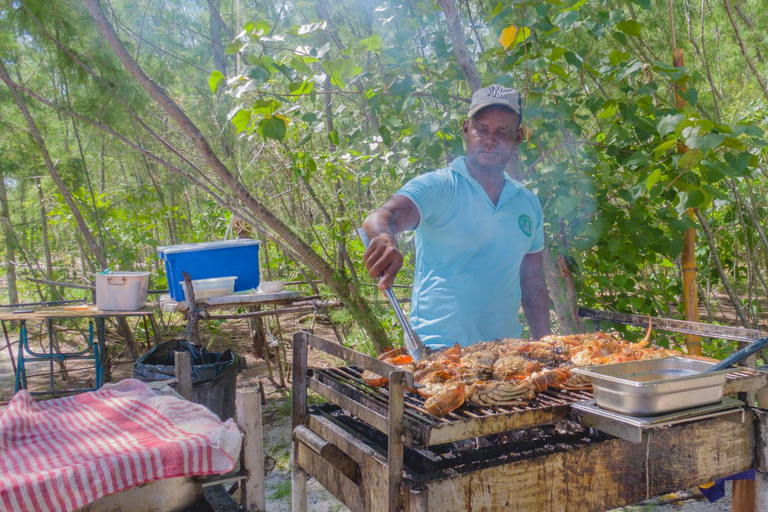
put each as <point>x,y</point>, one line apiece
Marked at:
<point>718,265</point>
<point>456,31</point>
<point>339,284</point>
<point>10,243</point>
<point>55,292</point>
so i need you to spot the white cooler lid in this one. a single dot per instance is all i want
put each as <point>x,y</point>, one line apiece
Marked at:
<point>206,246</point>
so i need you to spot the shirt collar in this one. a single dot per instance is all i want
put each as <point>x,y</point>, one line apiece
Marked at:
<point>511,186</point>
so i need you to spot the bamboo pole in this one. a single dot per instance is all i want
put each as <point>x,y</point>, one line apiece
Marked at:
<point>688,260</point>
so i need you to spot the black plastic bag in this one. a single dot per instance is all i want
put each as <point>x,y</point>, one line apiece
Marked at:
<point>158,364</point>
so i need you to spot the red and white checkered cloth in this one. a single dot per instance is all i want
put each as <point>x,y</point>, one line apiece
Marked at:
<point>59,455</point>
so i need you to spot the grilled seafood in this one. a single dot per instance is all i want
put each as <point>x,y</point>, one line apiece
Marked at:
<point>511,371</point>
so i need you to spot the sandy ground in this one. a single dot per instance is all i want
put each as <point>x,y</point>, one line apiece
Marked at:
<point>276,415</point>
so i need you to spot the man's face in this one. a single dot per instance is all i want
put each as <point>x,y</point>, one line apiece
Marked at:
<point>491,138</point>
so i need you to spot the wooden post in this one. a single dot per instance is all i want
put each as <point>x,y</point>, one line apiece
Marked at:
<point>688,260</point>
<point>183,371</point>
<point>298,417</point>
<point>248,404</point>
<point>193,314</point>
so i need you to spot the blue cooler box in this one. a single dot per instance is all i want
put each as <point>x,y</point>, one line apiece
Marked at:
<point>205,260</point>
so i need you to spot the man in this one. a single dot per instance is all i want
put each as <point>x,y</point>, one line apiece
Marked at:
<point>479,236</point>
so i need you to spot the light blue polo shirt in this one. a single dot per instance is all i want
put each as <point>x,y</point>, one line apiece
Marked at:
<point>468,254</point>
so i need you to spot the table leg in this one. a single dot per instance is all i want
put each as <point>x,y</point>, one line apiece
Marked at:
<point>21,376</point>
<point>8,344</point>
<point>101,357</point>
<point>50,351</point>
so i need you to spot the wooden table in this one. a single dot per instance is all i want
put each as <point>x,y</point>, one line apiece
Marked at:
<point>93,351</point>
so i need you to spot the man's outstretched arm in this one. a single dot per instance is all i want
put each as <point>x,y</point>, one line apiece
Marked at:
<point>535,296</point>
<point>382,256</point>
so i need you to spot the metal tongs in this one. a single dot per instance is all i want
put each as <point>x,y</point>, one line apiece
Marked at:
<point>412,342</point>
<point>740,355</point>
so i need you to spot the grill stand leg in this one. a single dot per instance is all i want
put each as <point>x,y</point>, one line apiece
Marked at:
<point>395,442</point>
<point>299,417</point>
<point>298,485</point>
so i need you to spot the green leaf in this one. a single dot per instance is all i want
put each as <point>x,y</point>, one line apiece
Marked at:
<point>494,12</point>
<point>705,143</point>
<point>627,70</point>
<point>258,73</point>
<point>653,178</point>
<point>241,119</point>
<point>690,95</point>
<point>371,44</point>
<point>566,204</point>
<point>690,199</point>
<point>340,69</point>
<point>256,28</point>
<point>667,124</point>
<point>738,162</point>
<point>250,85</point>
<point>334,137</point>
<point>557,70</point>
<point>234,47</point>
<point>616,57</point>
<point>216,80</point>
<point>273,127</point>
<point>565,20</point>
<point>630,27</point>
<point>556,53</point>
<point>663,148</point>
<point>301,88</point>
<point>645,4</point>
<point>265,106</point>
<point>299,65</point>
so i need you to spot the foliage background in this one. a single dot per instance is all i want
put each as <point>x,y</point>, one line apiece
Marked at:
<point>322,110</point>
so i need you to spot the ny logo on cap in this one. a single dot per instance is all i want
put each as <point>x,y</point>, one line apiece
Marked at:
<point>495,91</point>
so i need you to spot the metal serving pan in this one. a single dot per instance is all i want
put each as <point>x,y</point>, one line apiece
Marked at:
<point>655,386</point>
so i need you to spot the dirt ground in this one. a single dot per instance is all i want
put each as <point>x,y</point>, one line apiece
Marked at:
<point>276,412</point>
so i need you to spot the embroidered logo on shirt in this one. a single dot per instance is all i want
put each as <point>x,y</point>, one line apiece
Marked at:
<point>526,224</point>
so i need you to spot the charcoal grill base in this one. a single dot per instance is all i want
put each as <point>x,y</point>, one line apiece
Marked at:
<point>575,476</point>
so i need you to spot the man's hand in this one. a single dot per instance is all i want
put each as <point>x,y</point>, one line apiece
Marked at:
<point>383,259</point>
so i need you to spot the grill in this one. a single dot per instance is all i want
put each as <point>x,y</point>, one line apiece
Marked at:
<point>379,449</point>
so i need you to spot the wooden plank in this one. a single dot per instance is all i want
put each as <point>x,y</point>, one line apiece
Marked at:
<point>756,380</point>
<point>49,313</point>
<point>493,424</point>
<point>358,359</point>
<point>369,416</point>
<point>219,499</point>
<point>248,403</point>
<point>332,479</point>
<point>299,398</point>
<point>603,475</point>
<point>723,332</point>
<point>230,301</point>
<point>373,490</point>
<point>183,369</point>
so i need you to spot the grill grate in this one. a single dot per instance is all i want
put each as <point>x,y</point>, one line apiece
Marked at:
<point>471,421</point>
<point>460,424</point>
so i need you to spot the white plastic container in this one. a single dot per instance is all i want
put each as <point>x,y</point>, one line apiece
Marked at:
<point>272,286</point>
<point>121,291</point>
<point>214,287</point>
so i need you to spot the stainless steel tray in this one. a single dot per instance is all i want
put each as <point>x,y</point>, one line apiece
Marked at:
<point>655,386</point>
